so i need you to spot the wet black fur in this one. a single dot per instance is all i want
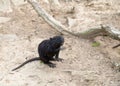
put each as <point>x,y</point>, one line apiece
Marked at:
<point>48,50</point>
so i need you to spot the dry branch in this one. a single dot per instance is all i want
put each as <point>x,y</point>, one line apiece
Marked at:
<point>49,19</point>
<point>112,32</point>
<point>91,33</point>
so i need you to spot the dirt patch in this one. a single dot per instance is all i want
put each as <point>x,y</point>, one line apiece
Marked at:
<point>83,64</point>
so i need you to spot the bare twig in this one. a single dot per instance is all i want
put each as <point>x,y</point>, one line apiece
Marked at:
<point>91,33</point>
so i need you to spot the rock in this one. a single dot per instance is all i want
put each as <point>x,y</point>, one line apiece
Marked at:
<point>18,2</point>
<point>8,37</point>
<point>4,19</point>
<point>71,22</point>
<point>5,6</point>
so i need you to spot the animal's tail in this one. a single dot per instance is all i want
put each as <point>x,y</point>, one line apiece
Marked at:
<point>116,46</point>
<point>30,60</point>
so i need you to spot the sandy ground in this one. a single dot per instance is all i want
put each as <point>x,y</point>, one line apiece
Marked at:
<point>83,64</point>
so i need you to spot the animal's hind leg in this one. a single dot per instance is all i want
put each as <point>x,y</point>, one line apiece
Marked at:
<point>46,61</point>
